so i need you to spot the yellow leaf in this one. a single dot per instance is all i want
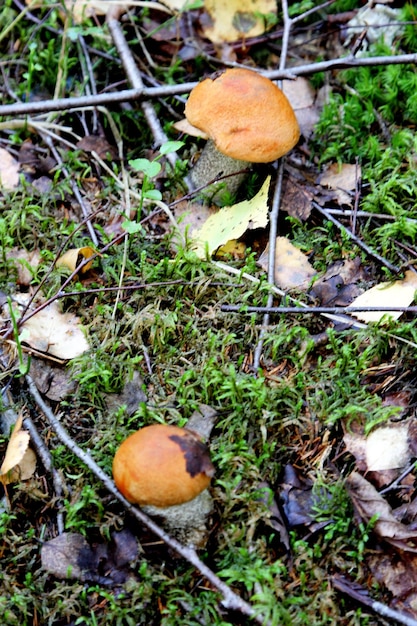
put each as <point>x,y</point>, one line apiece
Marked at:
<point>235,19</point>
<point>71,258</point>
<point>16,449</point>
<point>292,268</point>
<point>232,222</point>
<point>400,293</point>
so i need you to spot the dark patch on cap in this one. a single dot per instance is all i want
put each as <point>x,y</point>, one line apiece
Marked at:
<point>196,454</point>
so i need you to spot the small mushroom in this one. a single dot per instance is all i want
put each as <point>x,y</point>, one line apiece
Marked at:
<point>162,466</point>
<point>247,119</point>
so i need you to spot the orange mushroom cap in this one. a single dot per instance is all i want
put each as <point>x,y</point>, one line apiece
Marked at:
<point>246,115</point>
<point>162,465</point>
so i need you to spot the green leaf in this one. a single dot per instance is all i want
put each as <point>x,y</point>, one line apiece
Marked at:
<point>149,168</point>
<point>132,227</point>
<point>153,194</point>
<point>170,146</point>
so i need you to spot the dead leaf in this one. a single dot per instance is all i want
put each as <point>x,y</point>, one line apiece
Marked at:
<point>292,268</point>
<point>184,126</point>
<point>338,286</point>
<point>98,144</point>
<point>302,95</point>
<point>232,222</point>
<point>9,170</point>
<point>342,179</point>
<point>52,380</point>
<point>398,573</point>
<point>387,447</point>
<point>26,264</point>
<point>71,259</point>
<point>400,292</point>
<point>68,556</point>
<point>20,461</point>
<point>235,19</point>
<point>296,199</point>
<point>51,331</point>
<point>369,504</point>
<point>82,10</point>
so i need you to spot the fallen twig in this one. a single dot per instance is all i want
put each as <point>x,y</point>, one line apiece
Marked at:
<point>360,594</point>
<point>128,95</point>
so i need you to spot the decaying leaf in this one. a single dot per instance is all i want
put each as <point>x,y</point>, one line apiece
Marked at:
<point>296,198</point>
<point>232,222</point>
<point>71,258</point>
<point>235,19</point>
<point>9,170</point>
<point>301,94</point>
<point>387,447</point>
<point>338,286</point>
<point>26,264</point>
<point>70,556</point>
<point>51,331</point>
<point>20,461</point>
<point>292,268</point>
<point>370,504</point>
<point>400,292</point>
<point>342,179</point>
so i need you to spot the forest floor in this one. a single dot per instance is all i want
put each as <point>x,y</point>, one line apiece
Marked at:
<point>113,318</point>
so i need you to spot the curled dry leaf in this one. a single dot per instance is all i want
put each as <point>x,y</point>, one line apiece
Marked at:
<point>369,504</point>
<point>71,259</point>
<point>20,461</point>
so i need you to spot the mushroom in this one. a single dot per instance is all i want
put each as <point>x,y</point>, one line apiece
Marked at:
<point>247,119</point>
<point>162,466</point>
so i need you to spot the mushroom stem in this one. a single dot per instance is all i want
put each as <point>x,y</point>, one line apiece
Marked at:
<point>213,164</point>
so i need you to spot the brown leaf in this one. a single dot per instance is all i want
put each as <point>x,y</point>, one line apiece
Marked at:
<point>19,462</point>
<point>342,179</point>
<point>292,268</point>
<point>98,144</point>
<point>296,199</point>
<point>68,556</point>
<point>369,504</point>
<point>9,170</point>
<point>338,286</point>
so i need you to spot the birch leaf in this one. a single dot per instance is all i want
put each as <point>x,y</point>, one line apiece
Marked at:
<point>399,292</point>
<point>232,222</point>
<point>292,267</point>
<point>234,19</point>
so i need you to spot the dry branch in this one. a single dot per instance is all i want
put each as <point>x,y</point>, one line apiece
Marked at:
<point>129,95</point>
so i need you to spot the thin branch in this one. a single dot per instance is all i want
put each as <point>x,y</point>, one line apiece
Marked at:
<point>128,95</point>
<point>360,594</point>
<point>356,239</point>
<point>334,310</point>
<point>231,600</point>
